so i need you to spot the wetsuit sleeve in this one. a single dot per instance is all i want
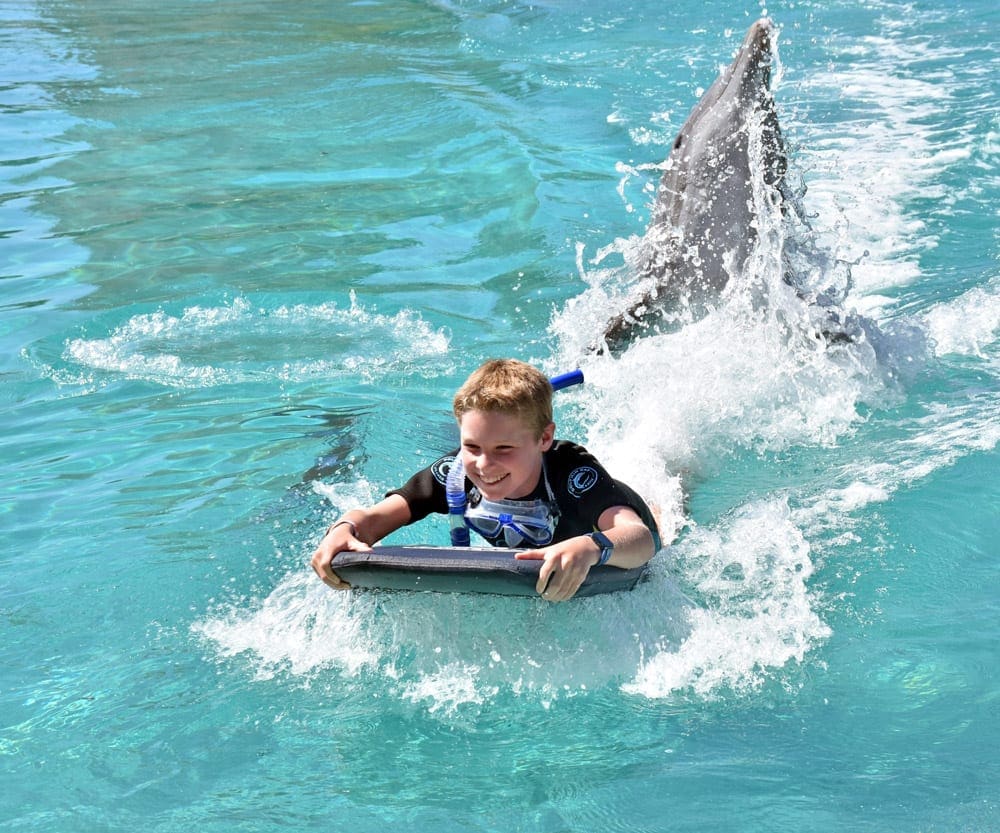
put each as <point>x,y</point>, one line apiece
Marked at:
<point>584,490</point>
<point>425,492</point>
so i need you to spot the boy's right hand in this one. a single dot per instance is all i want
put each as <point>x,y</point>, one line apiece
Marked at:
<point>339,537</point>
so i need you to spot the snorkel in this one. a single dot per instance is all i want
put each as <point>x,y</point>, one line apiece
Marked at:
<point>455,484</point>
<point>567,380</point>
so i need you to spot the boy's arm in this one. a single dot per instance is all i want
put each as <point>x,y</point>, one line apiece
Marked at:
<point>632,539</point>
<point>568,562</point>
<point>357,530</point>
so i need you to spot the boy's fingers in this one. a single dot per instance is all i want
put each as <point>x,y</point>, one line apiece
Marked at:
<point>337,583</point>
<point>545,576</point>
<point>322,563</point>
<point>544,573</point>
<point>333,580</point>
<point>322,567</point>
<point>530,555</point>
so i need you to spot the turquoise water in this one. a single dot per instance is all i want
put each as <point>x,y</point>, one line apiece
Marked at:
<point>247,252</point>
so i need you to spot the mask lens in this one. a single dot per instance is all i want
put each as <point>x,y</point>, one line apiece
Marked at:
<point>484,526</point>
<point>537,535</point>
<point>518,529</point>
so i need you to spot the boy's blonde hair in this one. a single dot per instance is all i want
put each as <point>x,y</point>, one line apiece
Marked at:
<point>507,386</point>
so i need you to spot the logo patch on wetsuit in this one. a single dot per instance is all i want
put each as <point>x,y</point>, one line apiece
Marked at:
<point>441,468</point>
<point>581,480</point>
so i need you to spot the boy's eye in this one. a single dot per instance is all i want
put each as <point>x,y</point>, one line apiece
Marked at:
<point>500,449</point>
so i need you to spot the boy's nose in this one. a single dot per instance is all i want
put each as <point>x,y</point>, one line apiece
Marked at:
<point>483,462</point>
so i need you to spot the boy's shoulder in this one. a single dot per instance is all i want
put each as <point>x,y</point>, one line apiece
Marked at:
<point>567,449</point>
<point>565,459</point>
<point>578,479</point>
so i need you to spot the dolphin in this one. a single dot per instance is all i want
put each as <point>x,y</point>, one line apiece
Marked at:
<point>702,228</point>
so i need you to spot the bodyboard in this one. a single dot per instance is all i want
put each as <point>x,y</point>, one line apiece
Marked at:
<point>464,570</point>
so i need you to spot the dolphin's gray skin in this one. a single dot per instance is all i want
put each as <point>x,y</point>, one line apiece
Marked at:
<point>703,224</point>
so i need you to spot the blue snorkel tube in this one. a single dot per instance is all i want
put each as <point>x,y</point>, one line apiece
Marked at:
<point>454,490</point>
<point>567,380</point>
<point>455,485</point>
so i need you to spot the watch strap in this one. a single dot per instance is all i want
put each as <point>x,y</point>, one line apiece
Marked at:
<point>605,543</point>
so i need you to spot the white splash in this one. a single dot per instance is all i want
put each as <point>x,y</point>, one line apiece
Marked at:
<point>240,342</point>
<point>448,651</point>
<point>299,627</point>
<point>969,325</point>
<point>751,575</point>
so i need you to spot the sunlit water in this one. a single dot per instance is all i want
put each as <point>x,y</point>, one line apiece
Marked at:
<point>249,250</point>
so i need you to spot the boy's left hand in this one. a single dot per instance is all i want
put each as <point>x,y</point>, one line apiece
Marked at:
<point>566,566</point>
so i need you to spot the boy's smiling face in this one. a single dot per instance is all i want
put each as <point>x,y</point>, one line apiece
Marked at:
<point>502,455</point>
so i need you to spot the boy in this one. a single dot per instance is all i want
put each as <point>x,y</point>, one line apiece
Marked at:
<point>520,487</point>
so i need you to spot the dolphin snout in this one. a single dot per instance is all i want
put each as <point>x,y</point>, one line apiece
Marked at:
<point>752,66</point>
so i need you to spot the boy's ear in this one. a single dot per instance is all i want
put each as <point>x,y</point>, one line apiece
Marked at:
<point>548,435</point>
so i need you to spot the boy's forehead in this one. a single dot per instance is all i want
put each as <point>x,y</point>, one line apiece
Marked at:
<point>494,423</point>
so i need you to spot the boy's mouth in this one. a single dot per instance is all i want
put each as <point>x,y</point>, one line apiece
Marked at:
<point>493,481</point>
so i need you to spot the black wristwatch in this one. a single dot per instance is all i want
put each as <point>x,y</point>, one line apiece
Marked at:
<point>606,545</point>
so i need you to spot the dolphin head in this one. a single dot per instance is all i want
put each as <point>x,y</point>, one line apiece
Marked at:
<point>715,135</point>
<point>746,80</point>
<point>702,226</point>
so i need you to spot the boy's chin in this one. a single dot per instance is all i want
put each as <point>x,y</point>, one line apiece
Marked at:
<point>494,494</point>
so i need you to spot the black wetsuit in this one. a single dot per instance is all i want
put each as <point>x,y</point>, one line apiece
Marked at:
<point>582,489</point>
